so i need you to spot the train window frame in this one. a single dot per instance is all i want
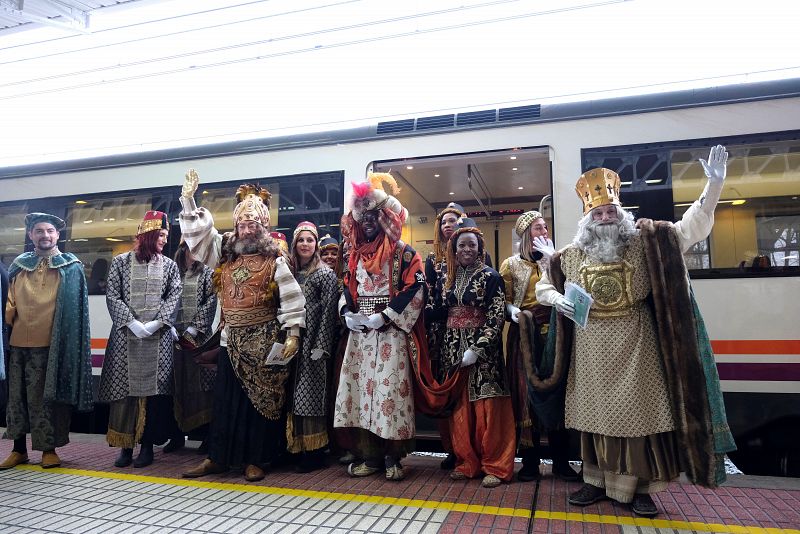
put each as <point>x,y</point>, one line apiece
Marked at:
<point>650,194</point>
<point>166,199</point>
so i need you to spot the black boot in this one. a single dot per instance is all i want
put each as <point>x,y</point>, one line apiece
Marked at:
<point>175,443</point>
<point>449,463</point>
<point>311,461</point>
<point>558,441</point>
<point>125,458</point>
<point>530,465</point>
<point>145,457</point>
<point>643,505</point>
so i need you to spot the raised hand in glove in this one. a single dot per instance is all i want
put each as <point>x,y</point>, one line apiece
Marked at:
<point>513,312</point>
<point>469,358</point>
<point>174,333</point>
<point>138,329</point>
<point>290,347</point>
<point>544,245</point>
<point>190,182</point>
<point>717,164</point>
<point>317,354</point>
<point>564,306</point>
<point>192,331</point>
<point>153,326</point>
<point>375,321</point>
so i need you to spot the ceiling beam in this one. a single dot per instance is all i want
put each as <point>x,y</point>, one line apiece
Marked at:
<point>64,15</point>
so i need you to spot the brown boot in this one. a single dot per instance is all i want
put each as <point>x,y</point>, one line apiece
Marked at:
<point>13,460</point>
<point>50,459</point>
<point>206,467</point>
<point>253,473</point>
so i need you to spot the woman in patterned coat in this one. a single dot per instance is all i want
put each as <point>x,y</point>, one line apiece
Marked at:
<point>472,298</point>
<point>194,383</point>
<point>306,424</point>
<point>143,291</point>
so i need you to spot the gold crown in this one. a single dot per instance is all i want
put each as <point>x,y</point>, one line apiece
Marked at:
<point>598,187</point>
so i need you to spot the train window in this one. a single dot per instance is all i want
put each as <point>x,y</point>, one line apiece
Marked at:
<point>758,218</point>
<point>99,229</point>
<point>12,232</point>
<point>757,222</point>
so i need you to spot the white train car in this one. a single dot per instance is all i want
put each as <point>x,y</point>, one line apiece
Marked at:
<point>497,163</point>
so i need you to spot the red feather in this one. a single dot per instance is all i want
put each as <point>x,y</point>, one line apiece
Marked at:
<point>361,190</point>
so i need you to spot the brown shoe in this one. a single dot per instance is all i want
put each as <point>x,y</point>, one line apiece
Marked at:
<point>50,459</point>
<point>206,467</point>
<point>13,460</point>
<point>253,473</point>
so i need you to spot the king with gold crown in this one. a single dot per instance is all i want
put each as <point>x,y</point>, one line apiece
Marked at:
<point>262,304</point>
<point>641,384</point>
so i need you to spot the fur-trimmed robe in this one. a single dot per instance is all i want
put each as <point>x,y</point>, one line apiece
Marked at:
<point>692,381</point>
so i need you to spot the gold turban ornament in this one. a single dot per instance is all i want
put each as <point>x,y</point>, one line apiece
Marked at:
<point>598,187</point>
<point>253,205</point>
<point>525,220</point>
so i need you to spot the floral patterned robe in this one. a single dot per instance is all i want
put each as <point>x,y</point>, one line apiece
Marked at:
<point>375,389</point>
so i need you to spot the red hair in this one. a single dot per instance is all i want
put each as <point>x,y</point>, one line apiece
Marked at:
<point>146,246</point>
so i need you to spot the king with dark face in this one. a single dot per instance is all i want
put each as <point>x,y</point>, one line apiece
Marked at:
<point>370,225</point>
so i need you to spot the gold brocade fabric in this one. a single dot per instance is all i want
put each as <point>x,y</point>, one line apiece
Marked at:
<point>610,286</point>
<point>520,277</point>
<point>248,290</point>
<point>32,305</point>
<point>616,386</point>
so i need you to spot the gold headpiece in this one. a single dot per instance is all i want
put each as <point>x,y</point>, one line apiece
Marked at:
<point>153,220</point>
<point>598,187</point>
<point>253,205</point>
<point>525,220</point>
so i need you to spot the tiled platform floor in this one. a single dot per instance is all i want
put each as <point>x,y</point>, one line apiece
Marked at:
<point>88,495</point>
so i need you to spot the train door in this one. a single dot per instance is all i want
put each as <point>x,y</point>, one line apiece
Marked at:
<point>493,187</point>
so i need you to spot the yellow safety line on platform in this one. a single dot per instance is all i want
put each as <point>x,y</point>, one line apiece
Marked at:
<point>420,503</point>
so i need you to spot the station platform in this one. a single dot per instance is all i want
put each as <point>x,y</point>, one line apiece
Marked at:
<point>88,495</point>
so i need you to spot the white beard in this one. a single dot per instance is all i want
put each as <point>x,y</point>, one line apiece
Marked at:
<point>601,242</point>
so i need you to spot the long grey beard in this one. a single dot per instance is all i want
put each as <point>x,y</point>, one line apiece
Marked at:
<point>602,242</point>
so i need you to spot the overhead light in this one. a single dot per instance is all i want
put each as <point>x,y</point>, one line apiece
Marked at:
<point>513,168</point>
<point>334,225</point>
<point>738,202</point>
<point>80,239</point>
<point>630,207</point>
<point>436,175</point>
<point>512,157</point>
<point>409,167</point>
<point>520,187</point>
<point>452,193</point>
<point>625,183</point>
<point>80,202</point>
<point>114,239</point>
<point>653,181</point>
<point>111,219</point>
<point>205,192</point>
<point>19,229</point>
<point>105,220</point>
<point>90,221</point>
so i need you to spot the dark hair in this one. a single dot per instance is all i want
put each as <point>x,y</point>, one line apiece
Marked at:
<point>180,259</point>
<point>294,259</point>
<point>145,247</point>
<point>452,265</point>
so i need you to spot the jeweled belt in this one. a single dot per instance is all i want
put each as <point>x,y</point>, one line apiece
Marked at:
<point>370,305</point>
<point>249,316</point>
<point>465,317</point>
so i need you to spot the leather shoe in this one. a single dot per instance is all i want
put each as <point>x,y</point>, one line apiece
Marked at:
<point>14,459</point>
<point>587,495</point>
<point>643,505</point>
<point>206,467</point>
<point>449,463</point>
<point>50,459</point>
<point>253,473</point>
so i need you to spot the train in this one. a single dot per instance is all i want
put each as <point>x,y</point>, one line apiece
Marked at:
<point>498,163</point>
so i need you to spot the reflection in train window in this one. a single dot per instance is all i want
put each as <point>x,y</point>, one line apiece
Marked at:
<point>99,229</point>
<point>12,232</point>
<point>758,217</point>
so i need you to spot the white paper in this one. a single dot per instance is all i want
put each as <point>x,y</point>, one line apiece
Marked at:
<point>581,300</point>
<point>359,318</point>
<point>275,356</point>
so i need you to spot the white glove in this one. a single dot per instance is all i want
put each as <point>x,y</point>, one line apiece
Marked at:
<point>544,245</point>
<point>138,329</point>
<point>564,306</point>
<point>153,326</point>
<point>174,333</point>
<point>352,325</point>
<point>469,358</point>
<point>717,164</point>
<point>317,354</point>
<point>512,311</point>
<point>375,321</point>
<point>192,331</point>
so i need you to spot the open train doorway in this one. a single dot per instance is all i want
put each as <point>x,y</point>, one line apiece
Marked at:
<point>494,188</point>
